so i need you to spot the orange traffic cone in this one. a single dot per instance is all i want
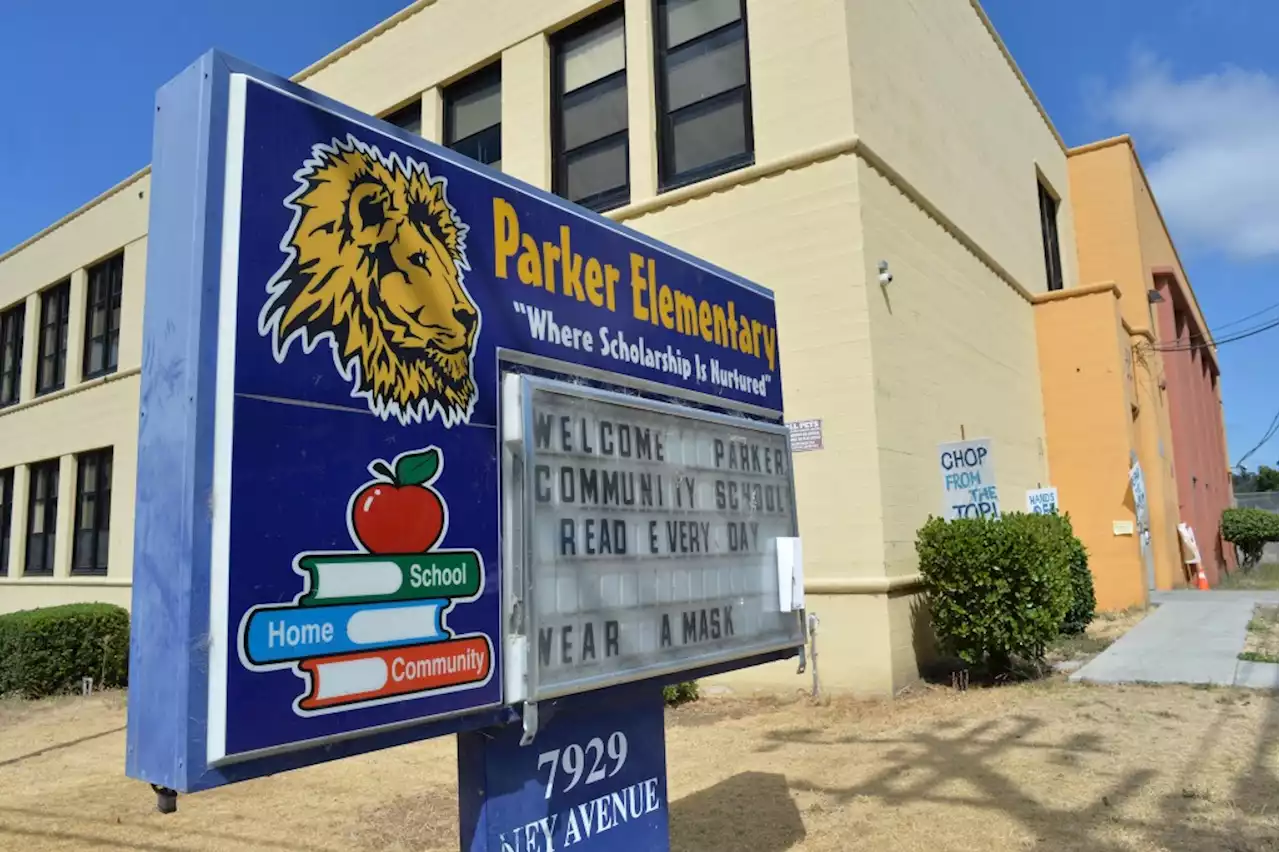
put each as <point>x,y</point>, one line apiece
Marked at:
<point>1202,582</point>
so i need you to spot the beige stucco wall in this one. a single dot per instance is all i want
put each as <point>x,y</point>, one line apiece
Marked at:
<point>83,415</point>
<point>934,95</point>
<point>891,373</point>
<point>800,89</point>
<point>797,234</point>
<point>953,347</point>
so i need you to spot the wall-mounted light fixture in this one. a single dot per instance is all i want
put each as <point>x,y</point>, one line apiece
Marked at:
<point>886,276</point>
<point>1154,296</point>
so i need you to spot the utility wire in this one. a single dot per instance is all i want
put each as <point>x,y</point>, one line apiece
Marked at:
<point>1249,317</point>
<point>1210,342</point>
<point>1271,431</point>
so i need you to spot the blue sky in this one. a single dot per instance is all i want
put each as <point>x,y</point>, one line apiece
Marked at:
<point>1193,81</point>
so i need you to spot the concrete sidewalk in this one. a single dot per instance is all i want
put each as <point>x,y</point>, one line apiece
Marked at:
<point>1191,637</point>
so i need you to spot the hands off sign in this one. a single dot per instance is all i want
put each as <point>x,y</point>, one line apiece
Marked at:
<point>1042,501</point>
<point>968,480</point>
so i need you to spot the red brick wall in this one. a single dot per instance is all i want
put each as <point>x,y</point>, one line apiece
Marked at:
<point>1195,414</point>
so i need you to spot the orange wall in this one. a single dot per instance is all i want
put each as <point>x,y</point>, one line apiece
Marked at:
<point>1120,237</point>
<point>1085,380</point>
<point>1107,227</point>
<point>1180,435</point>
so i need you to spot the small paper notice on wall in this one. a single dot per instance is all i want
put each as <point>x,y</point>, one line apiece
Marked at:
<point>806,435</point>
<point>1122,527</point>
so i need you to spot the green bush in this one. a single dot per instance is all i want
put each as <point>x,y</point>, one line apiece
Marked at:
<point>997,588</point>
<point>47,651</point>
<point>680,693</point>
<point>1249,530</point>
<point>1083,602</point>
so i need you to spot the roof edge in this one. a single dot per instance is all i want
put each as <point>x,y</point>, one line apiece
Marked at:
<point>1022,78</point>
<point>1076,292</point>
<point>1180,272</point>
<point>78,212</point>
<point>312,69</point>
<point>1122,139</point>
<point>362,39</point>
<point>417,6</point>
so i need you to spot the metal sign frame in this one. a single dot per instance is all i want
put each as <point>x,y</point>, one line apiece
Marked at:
<point>518,501</point>
<point>181,630</point>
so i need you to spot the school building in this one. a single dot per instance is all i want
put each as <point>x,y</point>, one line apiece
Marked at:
<point>945,268</point>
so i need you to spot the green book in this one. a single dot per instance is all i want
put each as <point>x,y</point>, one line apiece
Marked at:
<point>343,578</point>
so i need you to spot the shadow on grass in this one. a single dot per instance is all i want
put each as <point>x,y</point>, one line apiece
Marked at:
<point>930,766</point>
<point>59,746</point>
<point>92,837</point>
<point>751,810</point>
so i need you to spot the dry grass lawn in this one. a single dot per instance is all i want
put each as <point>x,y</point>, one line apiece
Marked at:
<point>1263,576</point>
<point>1262,641</point>
<point>1044,766</point>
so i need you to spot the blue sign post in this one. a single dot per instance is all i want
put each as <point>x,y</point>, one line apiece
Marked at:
<point>325,470</point>
<point>595,778</point>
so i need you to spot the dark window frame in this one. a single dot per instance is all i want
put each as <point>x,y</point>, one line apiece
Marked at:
<point>103,470</point>
<point>396,116</point>
<point>617,196</point>
<point>49,515</point>
<point>479,79</point>
<point>13,323</point>
<point>104,292</point>
<point>1049,239</point>
<point>6,518</point>
<point>61,293</point>
<point>668,178</point>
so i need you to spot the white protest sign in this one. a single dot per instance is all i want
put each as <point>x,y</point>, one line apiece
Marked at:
<point>968,480</point>
<point>1042,501</point>
<point>1139,486</point>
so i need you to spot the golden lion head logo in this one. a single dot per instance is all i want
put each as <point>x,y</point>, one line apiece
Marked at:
<point>376,260</point>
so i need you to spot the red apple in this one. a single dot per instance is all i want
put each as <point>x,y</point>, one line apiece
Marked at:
<point>402,513</point>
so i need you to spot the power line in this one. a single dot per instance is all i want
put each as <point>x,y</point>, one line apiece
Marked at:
<point>1271,431</point>
<point>1248,317</point>
<point>1230,339</point>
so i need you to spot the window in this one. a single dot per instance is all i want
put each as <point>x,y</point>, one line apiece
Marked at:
<point>6,517</point>
<point>52,363</point>
<point>93,513</point>
<point>1049,234</point>
<point>589,112</point>
<point>42,514</point>
<point>704,89</point>
<point>11,324</point>
<point>473,116</point>
<point>102,317</point>
<point>408,117</point>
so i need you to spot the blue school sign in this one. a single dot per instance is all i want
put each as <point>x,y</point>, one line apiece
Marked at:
<point>332,305</point>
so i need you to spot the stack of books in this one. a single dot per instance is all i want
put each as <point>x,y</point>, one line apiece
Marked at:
<point>372,627</point>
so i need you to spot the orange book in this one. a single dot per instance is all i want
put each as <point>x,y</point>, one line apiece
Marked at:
<point>369,675</point>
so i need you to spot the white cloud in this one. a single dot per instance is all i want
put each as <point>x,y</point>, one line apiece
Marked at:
<point>1216,173</point>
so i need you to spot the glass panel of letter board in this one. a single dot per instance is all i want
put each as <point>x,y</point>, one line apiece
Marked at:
<point>652,540</point>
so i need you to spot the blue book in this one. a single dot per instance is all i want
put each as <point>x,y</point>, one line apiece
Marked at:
<point>282,634</point>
